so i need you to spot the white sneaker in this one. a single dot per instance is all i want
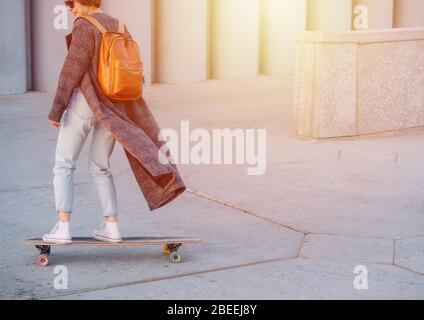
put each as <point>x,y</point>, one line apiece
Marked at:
<point>109,233</point>
<point>60,234</point>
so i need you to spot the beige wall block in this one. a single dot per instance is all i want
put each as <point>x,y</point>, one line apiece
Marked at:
<point>304,89</point>
<point>181,41</point>
<point>357,83</point>
<point>391,86</point>
<point>408,13</point>
<point>281,22</point>
<point>234,48</point>
<point>335,98</point>
<point>329,15</point>
<point>325,90</point>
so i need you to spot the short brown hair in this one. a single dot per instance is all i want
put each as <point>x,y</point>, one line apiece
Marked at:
<point>91,3</point>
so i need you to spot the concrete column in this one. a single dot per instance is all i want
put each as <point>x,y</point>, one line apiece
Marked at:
<point>329,15</point>
<point>49,28</point>
<point>50,24</point>
<point>281,22</point>
<point>138,16</point>
<point>379,13</point>
<point>408,13</point>
<point>28,40</point>
<point>13,56</point>
<point>234,47</point>
<point>181,41</point>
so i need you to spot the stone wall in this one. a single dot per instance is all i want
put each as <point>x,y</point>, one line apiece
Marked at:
<point>359,82</point>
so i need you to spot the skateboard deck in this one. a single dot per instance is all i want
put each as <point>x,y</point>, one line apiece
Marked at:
<point>170,245</point>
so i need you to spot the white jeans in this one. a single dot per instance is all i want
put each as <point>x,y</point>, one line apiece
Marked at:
<point>77,122</point>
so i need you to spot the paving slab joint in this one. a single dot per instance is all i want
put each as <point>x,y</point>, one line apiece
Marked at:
<point>244,210</point>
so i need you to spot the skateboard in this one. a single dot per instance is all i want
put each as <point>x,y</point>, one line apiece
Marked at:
<point>170,245</point>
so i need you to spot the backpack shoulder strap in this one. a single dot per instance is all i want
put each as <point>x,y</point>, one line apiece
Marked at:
<point>96,23</point>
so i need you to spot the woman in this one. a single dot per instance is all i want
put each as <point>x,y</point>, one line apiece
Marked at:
<point>84,108</point>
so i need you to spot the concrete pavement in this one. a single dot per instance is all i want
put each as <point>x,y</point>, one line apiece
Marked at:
<point>299,231</point>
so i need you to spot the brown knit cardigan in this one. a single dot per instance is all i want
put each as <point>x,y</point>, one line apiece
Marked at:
<point>131,123</point>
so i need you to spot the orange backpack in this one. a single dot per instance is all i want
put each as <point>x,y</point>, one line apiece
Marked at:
<point>121,69</point>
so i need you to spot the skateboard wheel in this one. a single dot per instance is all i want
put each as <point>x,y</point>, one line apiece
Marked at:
<point>42,261</point>
<point>175,257</point>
